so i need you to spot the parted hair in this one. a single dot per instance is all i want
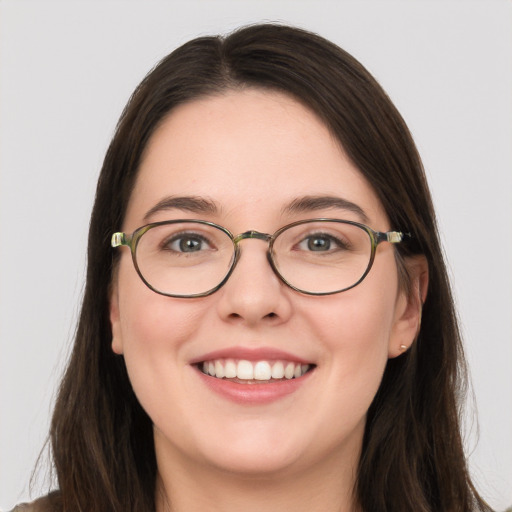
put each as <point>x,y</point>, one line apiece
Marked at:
<point>412,455</point>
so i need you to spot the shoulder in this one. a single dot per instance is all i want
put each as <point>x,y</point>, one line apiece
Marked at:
<point>44,504</point>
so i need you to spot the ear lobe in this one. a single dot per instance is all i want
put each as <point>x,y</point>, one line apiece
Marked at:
<point>409,307</point>
<point>115,322</point>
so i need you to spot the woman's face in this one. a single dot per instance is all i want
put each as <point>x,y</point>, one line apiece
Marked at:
<point>250,155</point>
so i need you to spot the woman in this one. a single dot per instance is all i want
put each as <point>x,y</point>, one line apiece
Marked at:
<point>267,321</point>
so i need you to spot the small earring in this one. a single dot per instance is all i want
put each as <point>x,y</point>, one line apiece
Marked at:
<point>403,348</point>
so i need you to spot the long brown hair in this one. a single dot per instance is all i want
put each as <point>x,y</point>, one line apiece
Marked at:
<point>412,455</point>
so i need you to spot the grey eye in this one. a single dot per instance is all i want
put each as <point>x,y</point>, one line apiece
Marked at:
<point>321,242</point>
<point>187,243</point>
<point>318,243</point>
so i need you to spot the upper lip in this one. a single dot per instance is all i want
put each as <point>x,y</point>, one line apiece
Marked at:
<point>250,354</point>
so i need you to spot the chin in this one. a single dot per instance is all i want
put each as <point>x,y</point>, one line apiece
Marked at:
<point>255,463</point>
<point>250,449</point>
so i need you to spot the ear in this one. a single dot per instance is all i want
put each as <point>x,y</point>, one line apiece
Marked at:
<point>407,321</point>
<point>115,321</point>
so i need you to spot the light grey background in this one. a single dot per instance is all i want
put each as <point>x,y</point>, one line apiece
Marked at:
<point>67,69</point>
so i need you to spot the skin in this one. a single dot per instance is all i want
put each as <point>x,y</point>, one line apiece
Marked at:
<point>252,152</point>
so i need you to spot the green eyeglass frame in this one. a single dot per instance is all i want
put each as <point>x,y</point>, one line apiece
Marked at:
<point>376,237</point>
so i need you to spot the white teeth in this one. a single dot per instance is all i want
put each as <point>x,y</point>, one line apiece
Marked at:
<point>245,370</point>
<point>230,369</point>
<point>219,370</point>
<point>262,371</point>
<point>289,371</point>
<point>278,370</point>
<point>259,370</point>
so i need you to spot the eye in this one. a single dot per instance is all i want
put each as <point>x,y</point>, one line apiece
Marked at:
<point>186,243</point>
<point>321,242</point>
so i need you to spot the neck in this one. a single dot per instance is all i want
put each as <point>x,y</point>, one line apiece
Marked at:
<point>328,487</point>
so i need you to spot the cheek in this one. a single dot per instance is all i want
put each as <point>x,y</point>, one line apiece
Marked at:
<point>354,322</point>
<point>155,331</point>
<point>354,329</point>
<point>150,321</point>
<point>357,352</point>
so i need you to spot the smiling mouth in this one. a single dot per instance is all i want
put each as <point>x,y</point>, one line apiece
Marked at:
<point>243,371</point>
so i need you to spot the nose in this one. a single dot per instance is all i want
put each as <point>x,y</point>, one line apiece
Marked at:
<point>253,293</point>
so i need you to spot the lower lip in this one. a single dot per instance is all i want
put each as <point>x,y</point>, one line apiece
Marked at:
<point>253,394</point>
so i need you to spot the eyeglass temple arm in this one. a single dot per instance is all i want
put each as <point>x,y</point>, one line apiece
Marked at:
<point>393,237</point>
<point>119,239</point>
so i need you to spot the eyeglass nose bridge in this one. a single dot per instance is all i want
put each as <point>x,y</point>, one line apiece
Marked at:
<point>258,235</point>
<point>252,234</point>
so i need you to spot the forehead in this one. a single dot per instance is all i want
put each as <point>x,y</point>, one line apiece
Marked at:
<point>251,152</point>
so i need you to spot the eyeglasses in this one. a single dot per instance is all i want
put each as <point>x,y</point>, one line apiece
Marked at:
<point>194,258</point>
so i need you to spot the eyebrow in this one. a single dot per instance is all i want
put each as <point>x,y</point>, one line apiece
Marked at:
<point>186,203</point>
<point>304,204</point>
<point>315,203</point>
